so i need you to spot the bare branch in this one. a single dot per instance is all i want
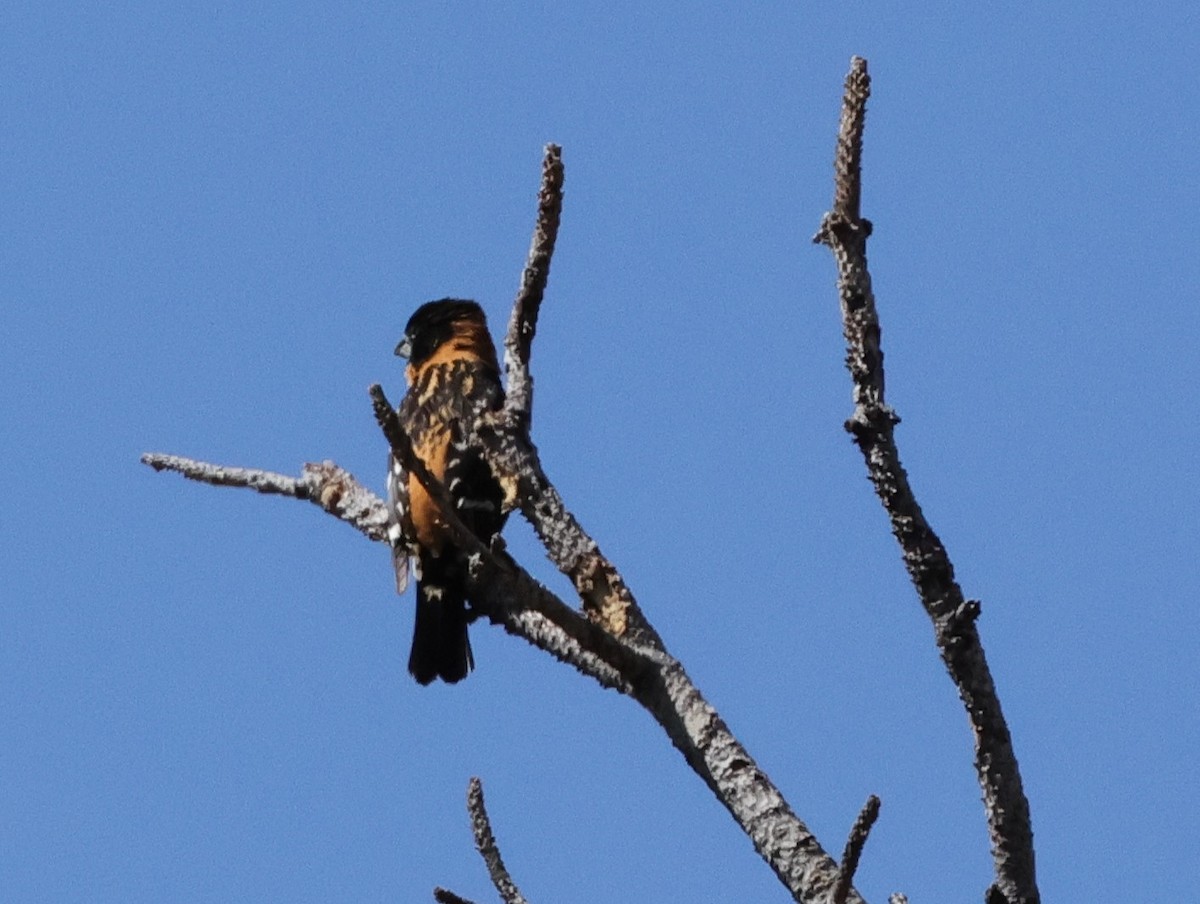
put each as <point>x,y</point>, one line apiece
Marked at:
<point>505,589</point>
<point>847,198</point>
<point>872,426</point>
<point>780,837</point>
<point>513,599</point>
<point>666,691</point>
<point>325,484</point>
<point>606,598</point>
<point>522,325</point>
<point>444,896</point>
<point>845,232</point>
<point>613,643</point>
<point>854,848</point>
<point>485,843</point>
<point>661,685</point>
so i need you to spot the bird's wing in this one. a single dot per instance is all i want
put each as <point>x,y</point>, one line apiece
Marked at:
<point>400,529</point>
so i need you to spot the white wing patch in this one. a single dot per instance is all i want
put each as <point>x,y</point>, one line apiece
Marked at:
<point>400,532</point>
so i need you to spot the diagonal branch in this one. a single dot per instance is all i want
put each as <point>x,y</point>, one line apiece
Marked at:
<point>445,896</point>
<point>522,325</point>
<point>491,570</point>
<point>485,843</point>
<point>872,427</point>
<point>854,848</point>
<point>511,598</point>
<point>505,441</point>
<point>645,672</point>
<point>606,597</point>
<point>402,450</point>
<point>611,641</point>
<point>667,692</point>
<point>325,484</point>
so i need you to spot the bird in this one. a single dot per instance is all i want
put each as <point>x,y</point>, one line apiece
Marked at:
<point>453,379</point>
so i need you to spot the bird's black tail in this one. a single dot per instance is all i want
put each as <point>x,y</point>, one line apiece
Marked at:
<point>440,648</point>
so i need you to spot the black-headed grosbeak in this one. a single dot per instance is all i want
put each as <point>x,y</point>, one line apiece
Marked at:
<point>453,378</point>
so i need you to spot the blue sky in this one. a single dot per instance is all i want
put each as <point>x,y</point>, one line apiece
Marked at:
<point>216,219</point>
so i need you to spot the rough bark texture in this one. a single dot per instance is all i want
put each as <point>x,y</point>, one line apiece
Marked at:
<point>485,843</point>
<point>522,325</point>
<point>610,638</point>
<point>854,848</point>
<point>322,483</point>
<point>647,672</point>
<point>872,425</point>
<point>513,599</point>
<point>604,594</point>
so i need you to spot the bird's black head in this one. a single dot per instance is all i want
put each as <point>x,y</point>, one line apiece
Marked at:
<point>432,324</point>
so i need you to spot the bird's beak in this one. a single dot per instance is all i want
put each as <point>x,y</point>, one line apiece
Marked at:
<point>404,349</point>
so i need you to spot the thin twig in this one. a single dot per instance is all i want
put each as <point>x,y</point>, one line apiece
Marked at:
<point>325,484</point>
<point>522,325</point>
<point>485,843</point>
<point>605,597</point>
<point>872,426</point>
<point>854,848</point>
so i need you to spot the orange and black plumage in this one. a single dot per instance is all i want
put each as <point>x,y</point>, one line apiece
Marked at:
<point>453,378</point>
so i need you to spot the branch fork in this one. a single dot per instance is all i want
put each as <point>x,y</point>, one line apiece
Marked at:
<point>610,639</point>
<point>872,426</point>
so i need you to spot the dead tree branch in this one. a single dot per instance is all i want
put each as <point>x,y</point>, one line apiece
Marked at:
<point>522,324</point>
<point>324,484</point>
<point>872,427</point>
<point>605,596</point>
<point>611,640</point>
<point>513,599</point>
<point>648,674</point>
<point>444,896</point>
<point>485,843</point>
<point>854,848</point>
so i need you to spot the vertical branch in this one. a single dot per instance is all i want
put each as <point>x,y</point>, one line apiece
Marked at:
<point>523,323</point>
<point>844,224</point>
<point>872,427</point>
<point>605,596</point>
<point>847,189</point>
